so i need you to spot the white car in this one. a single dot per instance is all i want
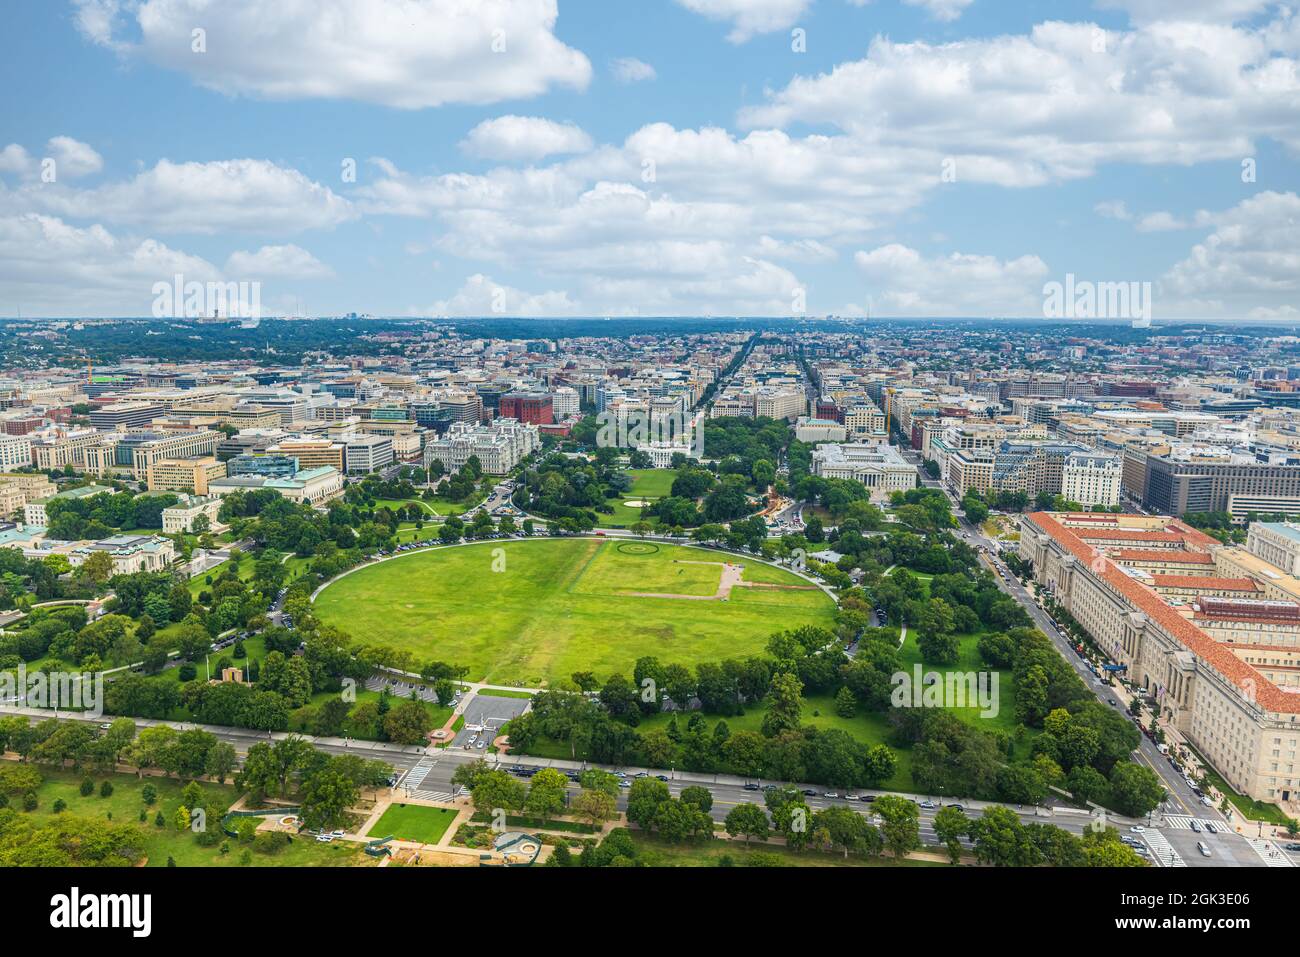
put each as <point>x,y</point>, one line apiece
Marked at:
<point>1137,829</point>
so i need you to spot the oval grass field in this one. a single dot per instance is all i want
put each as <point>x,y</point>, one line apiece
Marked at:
<point>531,613</point>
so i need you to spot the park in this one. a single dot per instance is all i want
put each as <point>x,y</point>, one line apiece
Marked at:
<point>531,613</point>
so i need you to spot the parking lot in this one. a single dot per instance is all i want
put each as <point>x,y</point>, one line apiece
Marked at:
<point>488,714</point>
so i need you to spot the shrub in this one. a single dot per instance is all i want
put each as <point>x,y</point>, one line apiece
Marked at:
<point>149,794</point>
<point>188,672</point>
<point>60,806</point>
<point>29,801</point>
<point>106,789</point>
<point>87,787</point>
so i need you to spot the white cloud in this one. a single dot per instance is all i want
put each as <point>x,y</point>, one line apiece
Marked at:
<point>52,268</point>
<point>244,195</point>
<point>73,158</point>
<point>408,54</point>
<point>750,17</point>
<point>524,138</point>
<point>1160,222</point>
<point>481,296</point>
<point>1027,110</point>
<point>287,262</point>
<point>1249,266</point>
<point>629,69</point>
<point>1113,209</point>
<point>905,283</point>
<point>1222,11</point>
<point>944,10</point>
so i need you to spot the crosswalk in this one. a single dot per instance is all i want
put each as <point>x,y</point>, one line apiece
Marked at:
<point>1162,851</point>
<point>1270,853</point>
<point>415,777</point>
<point>1183,822</point>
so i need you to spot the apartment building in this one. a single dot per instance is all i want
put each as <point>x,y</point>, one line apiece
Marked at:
<point>1221,662</point>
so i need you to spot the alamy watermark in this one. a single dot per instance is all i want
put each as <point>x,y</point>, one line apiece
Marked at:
<point>951,689</point>
<point>1083,299</point>
<point>71,691</point>
<point>180,299</point>
<point>675,431</point>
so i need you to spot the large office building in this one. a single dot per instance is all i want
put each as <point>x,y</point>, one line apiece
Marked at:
<point>499,446</point>
<point>132,453</point>
<point>185,475</point>
<point>309,487</point>
<point>1202,633</point>
<point>15,452</point>
<point>125,415</point>
<point>1212,479</point>
<point>533,408</point>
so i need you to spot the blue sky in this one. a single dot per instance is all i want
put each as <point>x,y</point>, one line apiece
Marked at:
<point>931,157</point>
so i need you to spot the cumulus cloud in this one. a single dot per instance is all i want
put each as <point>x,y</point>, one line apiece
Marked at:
<point>749,18</point>
<point>408,54</point>
<point>243,195</point>
<point>70,159</point>
<point>905,283</point>
<point>629,69</point>
<point>53,268</point>
<point>524,138</point>
<point>1248,267</point>
<point>1113,209</point>
<point>286,262</point>
<point>943,10</point>
<point>1048,106</point>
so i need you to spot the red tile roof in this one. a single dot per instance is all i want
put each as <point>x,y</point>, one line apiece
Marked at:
<point>1207,582</point>
<point>1220,658</point>
<point>1162,555</point>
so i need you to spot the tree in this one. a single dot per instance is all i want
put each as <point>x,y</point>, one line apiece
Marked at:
<point>546,794</point>
<point>326,797</point>
<point>902,824</point>
<point>700,797</point>
<point>747,820</point>
<point>408,723</point>
<point>846,706</point>
<point>497,790</point>
<point>785,705</point>
<point>643,801</point>
<point>1135,790</point>
<point>950,825</point>
<point>1002,840</point>
<point>595,806</point>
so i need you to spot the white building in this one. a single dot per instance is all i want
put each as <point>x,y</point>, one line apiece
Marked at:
<point>1091,478</point>
<point>813,431</point>
<point>364,453</point>
<point>15,452</point>
<point>181,516</point>
<point>879,467</point>
<point>564,402</point>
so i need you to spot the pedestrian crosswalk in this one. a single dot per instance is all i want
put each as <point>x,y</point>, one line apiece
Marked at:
<point>1162,851</point>
<point>415,777</point>
<point>1183,822</point>
<point>1270,853</point>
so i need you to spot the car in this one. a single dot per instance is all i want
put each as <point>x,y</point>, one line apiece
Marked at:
<point>1211,827</point>
<point>324,838</point>
<point>809,792</point>
<point>1195,826</point>
<point>482,744</point>
<point>1206,801</point>
<point>338,833</point>
<point>624,783</point>
<point>957,806</point>
<point>1137,829</point>
<point>831,794</point>
<point>928,805</point>
<point>662,777</point>
<point>867,798</point>
<point>751,786</point>
<point>1293,846</point>
<point>643,774</point>
<point>1204,849</point>
<point>105,726</point>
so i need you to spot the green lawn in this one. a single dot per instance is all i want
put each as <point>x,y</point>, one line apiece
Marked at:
<point>413,822</point>
<point>648,485</point>
<point>161,842</point>
<point>556,606</point>
<point>657,852</point>
<point>499,693</point>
